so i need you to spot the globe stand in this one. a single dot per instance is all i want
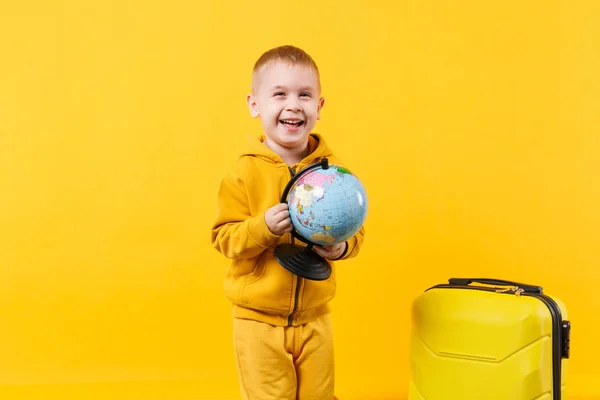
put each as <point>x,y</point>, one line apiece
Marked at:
<point>303,261</point>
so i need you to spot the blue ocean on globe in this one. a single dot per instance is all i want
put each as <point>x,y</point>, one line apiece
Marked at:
<point>327,206</point>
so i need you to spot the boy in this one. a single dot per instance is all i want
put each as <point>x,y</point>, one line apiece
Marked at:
<point>282,327</point>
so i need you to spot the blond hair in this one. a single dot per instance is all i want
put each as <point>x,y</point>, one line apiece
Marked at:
<point>288,54</point>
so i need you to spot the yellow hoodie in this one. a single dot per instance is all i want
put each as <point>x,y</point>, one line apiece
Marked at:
<point>259,287</point>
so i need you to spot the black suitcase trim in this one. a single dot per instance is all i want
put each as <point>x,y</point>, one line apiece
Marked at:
<point>560,329</point>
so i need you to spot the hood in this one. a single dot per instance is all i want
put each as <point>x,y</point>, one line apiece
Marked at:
<point>317,148</point>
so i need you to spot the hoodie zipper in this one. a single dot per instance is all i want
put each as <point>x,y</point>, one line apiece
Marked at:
<point>294,277</point>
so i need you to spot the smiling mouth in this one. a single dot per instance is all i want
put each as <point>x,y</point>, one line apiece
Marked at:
<point>292,122</point>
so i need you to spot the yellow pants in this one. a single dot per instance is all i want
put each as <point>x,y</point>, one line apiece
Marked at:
<point>285,363</point>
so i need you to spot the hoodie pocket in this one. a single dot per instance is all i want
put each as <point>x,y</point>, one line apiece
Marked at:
<point>269,287</point>
<point>317,293</point>
<point>258,271</point>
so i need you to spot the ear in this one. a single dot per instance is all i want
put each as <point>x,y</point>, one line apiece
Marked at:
<point>321,104</point>
<point>251,101</point>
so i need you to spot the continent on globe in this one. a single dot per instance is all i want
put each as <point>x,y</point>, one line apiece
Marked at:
<point>322,237</point>
<point>318,180</point>
<point>303,195</point>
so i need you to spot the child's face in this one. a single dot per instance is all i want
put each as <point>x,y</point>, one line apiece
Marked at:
<point>287,100</point>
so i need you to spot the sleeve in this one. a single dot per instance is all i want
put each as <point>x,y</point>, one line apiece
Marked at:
<point>235,233</point>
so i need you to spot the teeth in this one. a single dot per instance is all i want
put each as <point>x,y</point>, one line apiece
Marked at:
<point>287,121</point>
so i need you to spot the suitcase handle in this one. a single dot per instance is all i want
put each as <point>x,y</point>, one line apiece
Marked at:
<point>499,282</point>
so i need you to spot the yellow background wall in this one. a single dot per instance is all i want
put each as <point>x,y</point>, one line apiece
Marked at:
<point>474,126</point>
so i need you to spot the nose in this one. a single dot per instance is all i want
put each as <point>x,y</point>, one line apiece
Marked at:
<point>293,104</point>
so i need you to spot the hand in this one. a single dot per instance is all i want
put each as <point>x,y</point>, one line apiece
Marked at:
<point>278,219</point>
<point>331,251</point>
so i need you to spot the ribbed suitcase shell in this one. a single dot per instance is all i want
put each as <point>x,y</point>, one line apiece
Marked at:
<point>482,342</point>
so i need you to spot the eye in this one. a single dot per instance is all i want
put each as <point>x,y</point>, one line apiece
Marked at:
<point>278,94</point>
<point>305,94</point>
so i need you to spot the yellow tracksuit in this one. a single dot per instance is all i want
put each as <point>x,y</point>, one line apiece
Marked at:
<point>266,297</point>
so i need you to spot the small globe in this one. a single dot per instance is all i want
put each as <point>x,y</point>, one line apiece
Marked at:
<point>327,205</point>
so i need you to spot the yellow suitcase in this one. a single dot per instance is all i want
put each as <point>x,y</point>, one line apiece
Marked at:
<point>488,339</point>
